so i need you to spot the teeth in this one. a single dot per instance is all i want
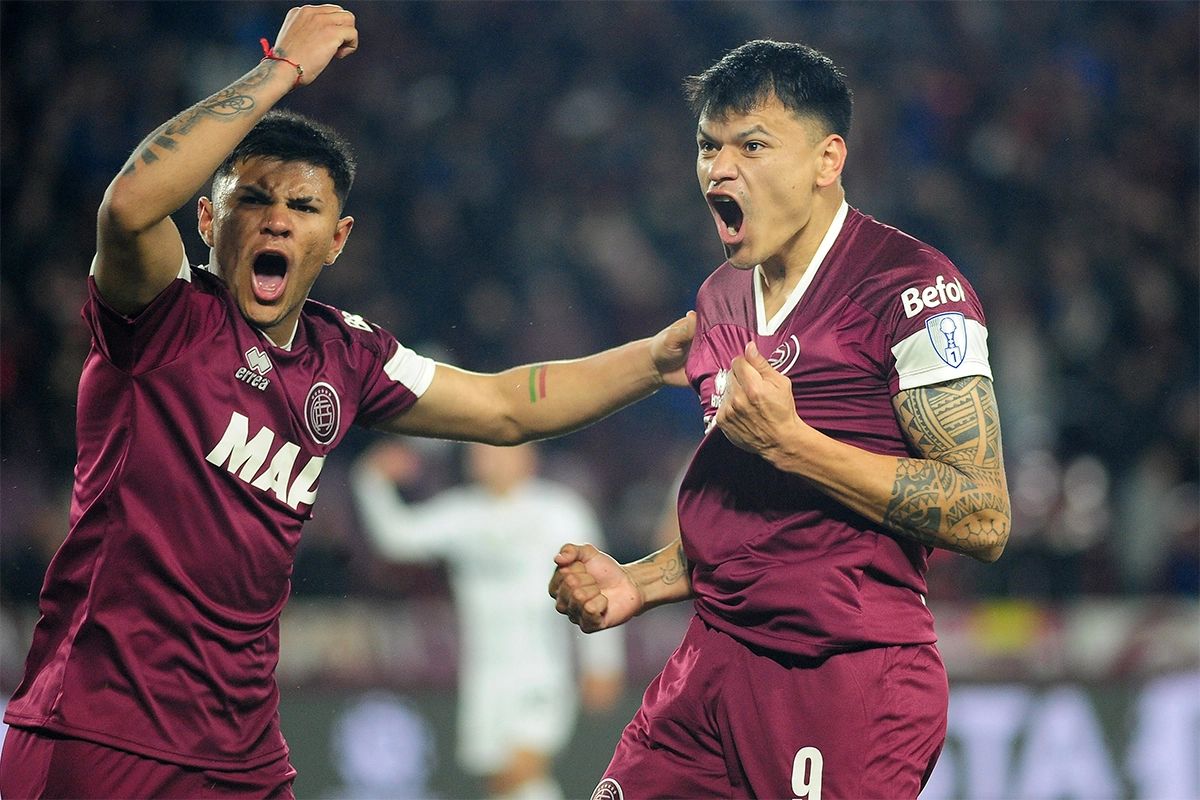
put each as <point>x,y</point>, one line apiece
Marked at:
<point>732,230</point>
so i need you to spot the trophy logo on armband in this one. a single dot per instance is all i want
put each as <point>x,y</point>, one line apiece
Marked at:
<point>948,333</point>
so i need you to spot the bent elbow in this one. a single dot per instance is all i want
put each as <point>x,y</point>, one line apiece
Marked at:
<point>505,432</point>
<point>988,555</point>
<point>992,537</point>
<point>123,212</point>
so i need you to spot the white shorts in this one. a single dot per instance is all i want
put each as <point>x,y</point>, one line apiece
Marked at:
<point>504,711</point>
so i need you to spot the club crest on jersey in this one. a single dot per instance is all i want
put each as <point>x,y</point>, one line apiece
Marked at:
<point>948,332</point>
<point>784,357</point>
<point>608,789</point>
<point>322,413</point>
<point>255,374</point>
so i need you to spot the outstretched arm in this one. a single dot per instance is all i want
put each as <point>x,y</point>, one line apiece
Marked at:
<point>954,496</point>
<point>537,401</point>
<point>596,592</point>
<point>138,249</point>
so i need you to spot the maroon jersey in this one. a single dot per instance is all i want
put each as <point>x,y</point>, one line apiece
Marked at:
<point>775,562</point>
<point>200,450</point>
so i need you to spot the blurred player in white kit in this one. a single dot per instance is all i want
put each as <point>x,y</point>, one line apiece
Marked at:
<point>518,693</point>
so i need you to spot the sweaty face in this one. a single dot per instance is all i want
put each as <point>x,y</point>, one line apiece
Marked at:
<point>759,172</point>
<point>272,226</point>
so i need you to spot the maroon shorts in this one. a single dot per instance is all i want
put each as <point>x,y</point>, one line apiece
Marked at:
<point>722,720</point>
<point>38,764</point>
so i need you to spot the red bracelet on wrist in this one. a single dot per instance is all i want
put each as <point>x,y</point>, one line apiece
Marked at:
<point>269,55</point>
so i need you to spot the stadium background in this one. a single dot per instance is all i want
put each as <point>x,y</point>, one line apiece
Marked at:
<point>526,192</point>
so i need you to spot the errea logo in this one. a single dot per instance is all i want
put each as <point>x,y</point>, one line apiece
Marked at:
<point>917,300</point>
<point>260,365</point>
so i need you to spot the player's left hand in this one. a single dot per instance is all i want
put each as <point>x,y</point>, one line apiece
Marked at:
<point>758,411</point>
<point>670,349</point>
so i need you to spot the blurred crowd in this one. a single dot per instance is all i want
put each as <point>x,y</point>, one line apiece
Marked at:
<point>526,191</point>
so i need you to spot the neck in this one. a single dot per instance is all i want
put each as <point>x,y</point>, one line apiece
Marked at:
<point>781,274</point>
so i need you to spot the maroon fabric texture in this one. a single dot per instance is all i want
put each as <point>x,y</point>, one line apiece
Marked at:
<point>35,765</point>
<point>722,720</point>
<point>775,562</point>
<point>200,449</point>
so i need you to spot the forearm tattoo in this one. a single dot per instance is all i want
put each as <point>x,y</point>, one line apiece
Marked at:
<point>225,104</point>
<point>672,566</point>
<point>674,569</point>
<point>943,499</point>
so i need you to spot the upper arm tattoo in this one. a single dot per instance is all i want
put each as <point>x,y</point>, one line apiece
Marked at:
<point>955,428</point>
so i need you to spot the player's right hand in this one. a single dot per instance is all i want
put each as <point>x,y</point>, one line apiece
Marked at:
<point>312,36</point>
<point>592,589</point>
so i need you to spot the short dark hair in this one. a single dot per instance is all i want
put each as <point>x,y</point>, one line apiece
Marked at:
<point>805,80</point>
<point>289,136</point>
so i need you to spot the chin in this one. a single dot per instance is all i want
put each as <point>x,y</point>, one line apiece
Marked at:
<point>739,260</point>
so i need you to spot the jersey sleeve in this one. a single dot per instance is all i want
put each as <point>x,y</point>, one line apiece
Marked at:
<point>394,384</point>
<point>938,330</point>
<point>175,321</point>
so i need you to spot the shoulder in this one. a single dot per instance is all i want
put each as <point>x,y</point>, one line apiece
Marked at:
<point>328,326</point>
<point>895,275</point>
<point>889,253</point>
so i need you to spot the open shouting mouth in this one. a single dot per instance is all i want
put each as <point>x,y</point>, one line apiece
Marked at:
<point>729,217</point>
<point>270,276</point>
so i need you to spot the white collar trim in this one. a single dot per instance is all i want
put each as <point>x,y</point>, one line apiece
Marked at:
<point>291,339</point>
<point>768,327</point>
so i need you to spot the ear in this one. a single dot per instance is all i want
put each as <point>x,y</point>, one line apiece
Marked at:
<point>831,156</point>
<point>339,239</point>
<point>204,220</point>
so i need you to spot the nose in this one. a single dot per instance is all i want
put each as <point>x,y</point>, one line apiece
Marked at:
<point>278,221</point>
<point>723,165</point>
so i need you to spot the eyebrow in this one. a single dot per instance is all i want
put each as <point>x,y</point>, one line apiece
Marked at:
<point>742,136</point>
<point>257,192</point>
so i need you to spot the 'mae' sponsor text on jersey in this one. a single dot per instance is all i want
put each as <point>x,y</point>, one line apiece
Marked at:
<point>777,563</point>
<point>201,446</point>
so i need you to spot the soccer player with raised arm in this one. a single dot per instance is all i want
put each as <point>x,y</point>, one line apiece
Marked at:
<point>207,406</point>
<point>842,369</point>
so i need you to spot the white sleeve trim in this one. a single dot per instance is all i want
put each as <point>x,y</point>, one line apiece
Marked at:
<point>410,369</point>
<point>185,269</point>
<point>922,362</point>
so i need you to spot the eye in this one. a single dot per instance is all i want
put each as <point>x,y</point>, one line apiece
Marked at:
<point>754,147</point>
<point>706,146</point>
